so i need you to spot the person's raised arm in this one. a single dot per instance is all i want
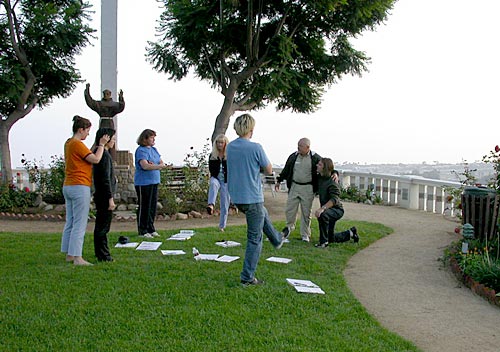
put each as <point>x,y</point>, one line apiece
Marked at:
<point>94,158</point>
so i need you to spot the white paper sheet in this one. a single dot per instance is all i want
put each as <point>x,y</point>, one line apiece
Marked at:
<point>227,244</point>
<point>181,236</point>
<point>279,260</point>
<point>206,256</point>
<point>227,258</point>
<point>149,246</point>
<point>172,252</point>
<point>127,245</point>
<point>305,286</point>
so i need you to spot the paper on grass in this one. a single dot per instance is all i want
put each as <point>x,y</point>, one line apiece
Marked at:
<point>279,260</point>
<point>181,236</point>
<point>305,286</point>
<point>227,244</point>
<point>206,256</point>
<point>127,245</point>
<point>148,246</point>
<point>227,258</point>
<point>172,252</point>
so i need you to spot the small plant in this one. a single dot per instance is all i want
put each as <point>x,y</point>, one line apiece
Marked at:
<point>350,193</point>
<point>49,181</point>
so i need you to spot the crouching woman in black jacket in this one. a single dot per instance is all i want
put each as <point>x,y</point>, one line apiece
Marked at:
<point>331,208</point>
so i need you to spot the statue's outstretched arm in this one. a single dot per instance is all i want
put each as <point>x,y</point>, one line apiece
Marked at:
<point>91,103</point>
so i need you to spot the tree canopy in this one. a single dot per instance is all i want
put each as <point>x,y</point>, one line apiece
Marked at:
<point>260,52</point>
<point>39,40</point>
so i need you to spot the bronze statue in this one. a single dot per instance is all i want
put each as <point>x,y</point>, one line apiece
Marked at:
<point>106,107</point>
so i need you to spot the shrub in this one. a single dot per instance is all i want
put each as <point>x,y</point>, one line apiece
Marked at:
<point>15,200</point>
<point>193,190</point>
<point>49,181</point>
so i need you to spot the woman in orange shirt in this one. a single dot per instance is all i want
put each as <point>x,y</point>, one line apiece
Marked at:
<point>76,188</point>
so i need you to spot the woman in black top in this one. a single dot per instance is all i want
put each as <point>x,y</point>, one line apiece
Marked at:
<point>218,179</point>
<point>331,208</point>
<point>105,187</point>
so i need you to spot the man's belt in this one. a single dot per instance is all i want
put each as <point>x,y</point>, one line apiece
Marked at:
<point>302,184</point>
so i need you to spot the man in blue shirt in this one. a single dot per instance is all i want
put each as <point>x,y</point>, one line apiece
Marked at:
<point>245,159</point>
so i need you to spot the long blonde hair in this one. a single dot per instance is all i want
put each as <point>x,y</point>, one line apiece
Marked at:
<point>215,151</point>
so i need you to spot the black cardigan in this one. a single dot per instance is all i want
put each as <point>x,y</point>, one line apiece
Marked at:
<point>214,167</point>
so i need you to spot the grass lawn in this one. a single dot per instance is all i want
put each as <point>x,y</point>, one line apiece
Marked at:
<point>148,302</point>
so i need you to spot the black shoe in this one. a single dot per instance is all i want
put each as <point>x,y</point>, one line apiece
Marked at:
<point>285,232</point>
<point>355,236</point>
<point>253,282</point>
<point>321,245</point>
<point>105,259</point>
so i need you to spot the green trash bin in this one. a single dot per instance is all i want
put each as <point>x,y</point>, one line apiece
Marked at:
<point>480,209</point>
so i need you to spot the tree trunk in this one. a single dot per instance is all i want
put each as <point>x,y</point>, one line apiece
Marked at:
<point>228,109</point>
<point>5,162</point>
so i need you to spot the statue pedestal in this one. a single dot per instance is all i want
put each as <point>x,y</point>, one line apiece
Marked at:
<point>124,171</point>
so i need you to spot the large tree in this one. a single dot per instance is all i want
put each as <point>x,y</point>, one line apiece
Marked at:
<point>259,52</point>
<point>38,42</point>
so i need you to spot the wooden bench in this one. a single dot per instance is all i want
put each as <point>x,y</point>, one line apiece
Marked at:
<point>270,180</point>
<point>176,178</point>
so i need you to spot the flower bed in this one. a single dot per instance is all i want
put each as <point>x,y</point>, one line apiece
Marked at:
<point>478,288</point>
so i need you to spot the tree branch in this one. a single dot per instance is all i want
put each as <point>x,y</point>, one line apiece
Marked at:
<point>14,31</point>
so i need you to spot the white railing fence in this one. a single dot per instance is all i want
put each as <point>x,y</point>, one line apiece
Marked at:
<point>411,192</point>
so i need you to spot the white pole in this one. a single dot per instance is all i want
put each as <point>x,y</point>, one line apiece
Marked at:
<point>109,31</point>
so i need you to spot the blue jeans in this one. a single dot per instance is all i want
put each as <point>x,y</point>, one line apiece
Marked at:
<point>258,221</point>
<point>215,186</point>
<point>77,214</point>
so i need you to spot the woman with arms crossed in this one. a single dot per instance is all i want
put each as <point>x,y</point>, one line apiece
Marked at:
<point>148,164</point>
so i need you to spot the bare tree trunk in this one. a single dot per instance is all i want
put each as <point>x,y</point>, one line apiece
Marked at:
<point>5,162</point>
<point>228,109</point>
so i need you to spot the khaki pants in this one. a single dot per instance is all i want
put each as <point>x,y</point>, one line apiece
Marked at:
<point>303,195</point>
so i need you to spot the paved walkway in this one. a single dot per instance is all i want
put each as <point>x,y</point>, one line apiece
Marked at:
<point>399,279</point>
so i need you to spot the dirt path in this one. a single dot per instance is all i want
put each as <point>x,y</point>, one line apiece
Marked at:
<point>398,279</point>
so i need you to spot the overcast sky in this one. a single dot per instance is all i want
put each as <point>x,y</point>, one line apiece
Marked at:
<point>431,94</point>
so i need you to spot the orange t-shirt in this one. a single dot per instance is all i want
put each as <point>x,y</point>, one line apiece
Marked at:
<point>78,170</point>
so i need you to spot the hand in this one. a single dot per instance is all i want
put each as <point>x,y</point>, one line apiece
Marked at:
<point>318,212</point>
<point>121,93</point>
<point>335,177</point>
<point>277,187</point>
<point>87,85</point>
<point>104,139</point>
<point>112,204</point>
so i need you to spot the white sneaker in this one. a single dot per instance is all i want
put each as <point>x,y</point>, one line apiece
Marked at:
<point>147,235</point>
<point>155,234</point>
